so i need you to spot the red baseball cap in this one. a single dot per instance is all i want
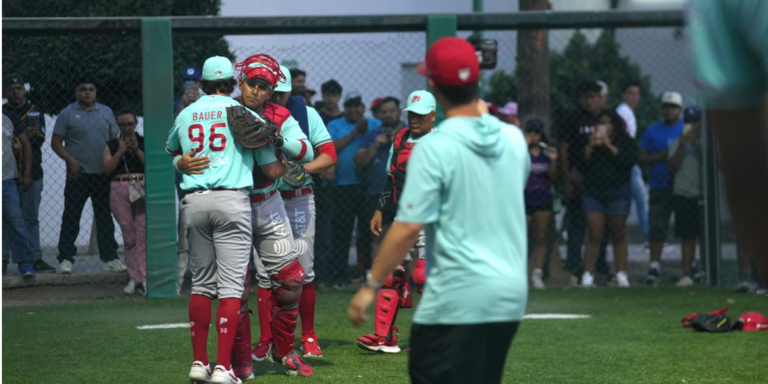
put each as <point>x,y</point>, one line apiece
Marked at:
<point>451,61</point>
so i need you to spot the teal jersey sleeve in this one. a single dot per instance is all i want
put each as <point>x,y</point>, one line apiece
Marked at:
<point>318,135</point>
<point>264,155</point>
<point>389,159</point>
<point>295,141</point>
<point>202,129</point>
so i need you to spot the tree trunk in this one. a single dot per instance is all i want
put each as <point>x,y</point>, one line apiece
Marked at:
<point>533,70</point>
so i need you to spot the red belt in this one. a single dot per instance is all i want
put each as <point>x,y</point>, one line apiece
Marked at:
<point>212,189</point>
<point>262,197</point>
<point>296,193</point>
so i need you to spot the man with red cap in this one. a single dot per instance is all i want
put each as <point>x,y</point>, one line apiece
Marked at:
<point>464,186</point>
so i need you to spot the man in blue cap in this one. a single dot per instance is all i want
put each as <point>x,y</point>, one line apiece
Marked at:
<point>684,162</point>
<point>191,78</point>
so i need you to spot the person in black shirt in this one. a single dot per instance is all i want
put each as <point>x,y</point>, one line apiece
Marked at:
<point>573,135</point>
<point>32,119</point>
<point>124,163</point>
<point>607,167</point>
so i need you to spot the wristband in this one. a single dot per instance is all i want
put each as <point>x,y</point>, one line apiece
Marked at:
<point>373,284</point>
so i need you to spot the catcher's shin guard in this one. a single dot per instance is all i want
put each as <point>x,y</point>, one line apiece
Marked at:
<point>388,302</point>
<point>285,307</point>
<point>420,274</point>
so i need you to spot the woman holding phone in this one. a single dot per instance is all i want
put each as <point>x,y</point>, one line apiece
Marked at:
<point>124,161</point>
<point>609,159</point>
<point>538,196</point>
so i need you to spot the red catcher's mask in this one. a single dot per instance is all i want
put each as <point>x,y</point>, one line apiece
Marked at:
<point>260,66</point>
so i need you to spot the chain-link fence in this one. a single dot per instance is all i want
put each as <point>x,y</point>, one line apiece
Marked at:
<point>619,196</point>
<point>66,91</point>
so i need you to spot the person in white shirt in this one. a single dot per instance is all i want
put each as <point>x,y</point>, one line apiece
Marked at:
<point>630,97</point>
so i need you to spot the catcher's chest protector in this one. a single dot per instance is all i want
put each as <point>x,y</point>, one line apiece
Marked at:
<point>279,115</point>
<point>400,154</point>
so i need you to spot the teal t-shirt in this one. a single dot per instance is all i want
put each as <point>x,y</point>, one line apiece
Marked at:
<point>465,182</point>
<point>202,127</point>
<point>318,136</point>
<point>290,130</point>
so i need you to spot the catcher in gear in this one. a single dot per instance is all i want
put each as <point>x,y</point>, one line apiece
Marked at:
<point>395,293</point>
<point>297,191</point>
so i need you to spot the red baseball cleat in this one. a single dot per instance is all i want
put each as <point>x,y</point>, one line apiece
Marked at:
<point>244,371</point>
<point>261,351</point>
<point>294,365</point>
<point>310,347</point>
<point>377,343</point>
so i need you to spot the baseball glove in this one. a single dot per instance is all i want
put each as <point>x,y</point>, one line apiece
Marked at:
<point>250,131</point>
<point>296,175</point>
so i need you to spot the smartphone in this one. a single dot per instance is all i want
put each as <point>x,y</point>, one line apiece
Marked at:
<point>190,86</point>
<point>687,128</point>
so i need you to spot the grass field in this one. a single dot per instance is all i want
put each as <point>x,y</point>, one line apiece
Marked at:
<point>633,336</point>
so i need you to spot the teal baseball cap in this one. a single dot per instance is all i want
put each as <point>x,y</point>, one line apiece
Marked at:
<point>284,85</point>
<point>218,68</point>
<point>421,103</point>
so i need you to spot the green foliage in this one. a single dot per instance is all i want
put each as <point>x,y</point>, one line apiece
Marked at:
<point>52,63</point>
<point>580,61</point>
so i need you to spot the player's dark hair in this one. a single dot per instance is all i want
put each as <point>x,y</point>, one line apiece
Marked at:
<point>297,72</point>
<point>85,80</point>
<point>128,111</point>
<point>331,87</point>
<point>226,86</point>
<point>619,126</point>
<point>631,83</point>
<point>463,94</point>
<point>388,99</point>
<point>586,87</point>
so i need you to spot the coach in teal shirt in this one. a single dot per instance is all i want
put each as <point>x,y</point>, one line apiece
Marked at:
<point>464,186</point>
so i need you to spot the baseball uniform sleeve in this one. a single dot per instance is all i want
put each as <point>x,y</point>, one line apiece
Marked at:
<point>420,202</point>
<point>61,127</point>
<point>318,135</point>
<point>389,159</point>
<point>295,142</point>
<point>264,155</point>
<point>172,144</point>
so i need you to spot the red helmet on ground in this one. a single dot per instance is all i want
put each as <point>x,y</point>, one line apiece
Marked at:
<point>753,321</point>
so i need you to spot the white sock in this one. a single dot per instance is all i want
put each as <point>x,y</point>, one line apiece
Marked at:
<point>655,265</point>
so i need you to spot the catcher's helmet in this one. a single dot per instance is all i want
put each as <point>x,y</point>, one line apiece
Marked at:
<point>753,321</point>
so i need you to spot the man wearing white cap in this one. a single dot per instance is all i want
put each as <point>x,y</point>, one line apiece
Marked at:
<point>395,293</point>
<point>653,151</point>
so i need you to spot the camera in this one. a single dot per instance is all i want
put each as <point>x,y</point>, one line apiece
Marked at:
<point>486,50</point>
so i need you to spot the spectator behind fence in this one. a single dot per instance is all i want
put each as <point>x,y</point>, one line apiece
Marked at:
<point>654,151</point>
<point>684,163</point>
<point>375,104</point>
<point>630,98</point>
<point>15,233</point>
<point>574,134</point>
<point>124,162</point>
<point>331,92</point>
<point>84,126</point>
<point>508,114</point>
<point>348,190</point>
<point>371,159</point>
<point>608,161</point>
<point>299,85</point>
<point>538,196</point>
<point>32,119</point>
<point>191,79</point>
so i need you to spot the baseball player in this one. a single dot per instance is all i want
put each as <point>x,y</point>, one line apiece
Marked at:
<point>464,186</point>
<point>395,293</point>
<point>281,285</point>
<point>218,215</point>
<point>296,189</point>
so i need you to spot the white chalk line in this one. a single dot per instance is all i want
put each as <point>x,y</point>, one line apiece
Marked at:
<point>555,316</point>
<point>164,326</point>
